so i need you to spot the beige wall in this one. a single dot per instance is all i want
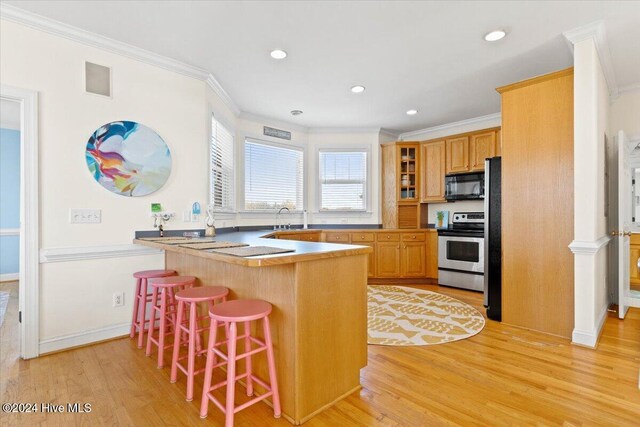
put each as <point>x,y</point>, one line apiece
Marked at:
<point>76,296</point>
<point>625,114</point>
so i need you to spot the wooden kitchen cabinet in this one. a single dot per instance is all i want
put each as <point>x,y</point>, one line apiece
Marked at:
<point>388,259</point>
<point>371,271</point>
<point>538,170</point>
<point>634,255</point>
<point>337,237</point>
<point>301,236</point>
<point>432,158</point>
<point>408,172</point>
<point>432,254</point>
<point>498,149</point>
<point>413,258</point>
<point>481,146</point>
<point>457,155</point>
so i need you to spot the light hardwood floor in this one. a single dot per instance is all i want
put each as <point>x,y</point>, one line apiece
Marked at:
<point>503,376</point>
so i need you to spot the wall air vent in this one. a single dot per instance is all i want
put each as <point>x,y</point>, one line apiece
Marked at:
<point>276,133</point>
<point>97,79</point>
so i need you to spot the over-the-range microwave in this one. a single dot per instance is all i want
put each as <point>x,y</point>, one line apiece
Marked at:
<point>464,186</point>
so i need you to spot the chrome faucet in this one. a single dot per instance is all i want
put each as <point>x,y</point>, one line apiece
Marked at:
<point>278,226</point>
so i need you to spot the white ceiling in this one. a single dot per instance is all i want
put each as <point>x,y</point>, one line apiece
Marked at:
<point>425,55</point>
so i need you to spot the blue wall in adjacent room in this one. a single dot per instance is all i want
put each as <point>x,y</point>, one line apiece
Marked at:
<point>9,199</point>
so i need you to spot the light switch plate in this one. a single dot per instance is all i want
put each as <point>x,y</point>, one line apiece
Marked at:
<point>85,216</point>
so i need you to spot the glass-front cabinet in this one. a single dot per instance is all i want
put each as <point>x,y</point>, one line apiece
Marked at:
<point>408,176</point>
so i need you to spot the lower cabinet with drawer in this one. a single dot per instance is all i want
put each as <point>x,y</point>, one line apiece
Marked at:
<point>397,254</point>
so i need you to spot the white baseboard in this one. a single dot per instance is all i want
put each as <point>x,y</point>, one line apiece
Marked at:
<point>9,277</point>
<point>590,338</point>
<point>82,338</point>
<point>633,302</point>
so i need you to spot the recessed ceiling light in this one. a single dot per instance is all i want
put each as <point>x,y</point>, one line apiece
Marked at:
<point>296,112</point>
<point>494,36</point>
<point>357,89</point>
<point>278,54</point>
<point>412,112</point>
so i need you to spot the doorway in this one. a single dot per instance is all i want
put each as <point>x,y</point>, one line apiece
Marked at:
<point>10,147</point>
<point>22,302</point>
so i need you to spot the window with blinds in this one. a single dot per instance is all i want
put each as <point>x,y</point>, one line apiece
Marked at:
<point>343,180</point>
<point>273,177</point>
<point>221,165</point>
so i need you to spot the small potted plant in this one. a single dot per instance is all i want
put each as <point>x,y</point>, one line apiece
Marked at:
<point>442,218</point>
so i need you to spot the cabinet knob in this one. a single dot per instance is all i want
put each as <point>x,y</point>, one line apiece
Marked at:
<point>413,237</point>
<point>388,237</point>
<point>362,237</point>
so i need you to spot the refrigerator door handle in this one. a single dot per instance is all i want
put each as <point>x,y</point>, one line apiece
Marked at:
<point>487,196</point>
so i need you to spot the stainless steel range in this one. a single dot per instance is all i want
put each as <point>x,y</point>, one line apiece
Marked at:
<point>461,252</point>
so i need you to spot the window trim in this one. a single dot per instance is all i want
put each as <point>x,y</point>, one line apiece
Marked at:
<point>292,146</point>
<point>234,175</point>
<point>367,187</point>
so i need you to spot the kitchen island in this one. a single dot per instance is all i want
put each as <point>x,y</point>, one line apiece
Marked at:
<point>319,318</point>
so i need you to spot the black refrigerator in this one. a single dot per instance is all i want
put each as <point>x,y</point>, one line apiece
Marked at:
<point>492,238</point>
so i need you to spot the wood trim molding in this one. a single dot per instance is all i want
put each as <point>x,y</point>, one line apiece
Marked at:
<point>535,80</point>
<point>450,125</point>
<point>81,253</point>
<point>587,247</point>
<point>596,31</point>
<point>590,338</point>
<point>9,232</point>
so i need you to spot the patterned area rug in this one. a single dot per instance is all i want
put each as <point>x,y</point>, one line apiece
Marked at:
<point>4,301</point>
<point>404,316</point>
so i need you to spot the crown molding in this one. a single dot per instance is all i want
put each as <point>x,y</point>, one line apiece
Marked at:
<point>321,130</point>
<point>213,83</point>
<point>596,32</point>
<point>629,88</point>
<point>450,125</point>
<point>390,132</point>
<point>270,121</point>
<point>79,35</point>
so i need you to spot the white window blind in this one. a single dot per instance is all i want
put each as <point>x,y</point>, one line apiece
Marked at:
<point>343,180</point>
<point>221,162</point>
<point>273,177</point>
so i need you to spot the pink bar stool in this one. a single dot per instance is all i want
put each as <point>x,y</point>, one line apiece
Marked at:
<point>142,297</point>
<point>165,288</point>
<point>231,313</point>
<point>192,297</point>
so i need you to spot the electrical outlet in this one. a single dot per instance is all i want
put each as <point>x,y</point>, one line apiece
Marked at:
<point>85,216</point>
<point>118,299</point>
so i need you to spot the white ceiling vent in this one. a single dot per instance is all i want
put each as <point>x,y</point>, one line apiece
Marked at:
<point>97,79</point>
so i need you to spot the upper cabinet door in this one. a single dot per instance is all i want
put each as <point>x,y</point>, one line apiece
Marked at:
<point>481,147</point>
<point>457,155</point>
<point>432,157</point>
<point>498,151</point>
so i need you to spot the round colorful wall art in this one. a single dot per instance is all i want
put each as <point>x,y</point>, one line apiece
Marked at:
<point>128,158</point>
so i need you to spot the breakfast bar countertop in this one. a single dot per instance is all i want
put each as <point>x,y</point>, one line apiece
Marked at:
<point>303,251</point>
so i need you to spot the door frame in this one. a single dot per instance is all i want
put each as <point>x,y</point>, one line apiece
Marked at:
<point>29,276</point>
